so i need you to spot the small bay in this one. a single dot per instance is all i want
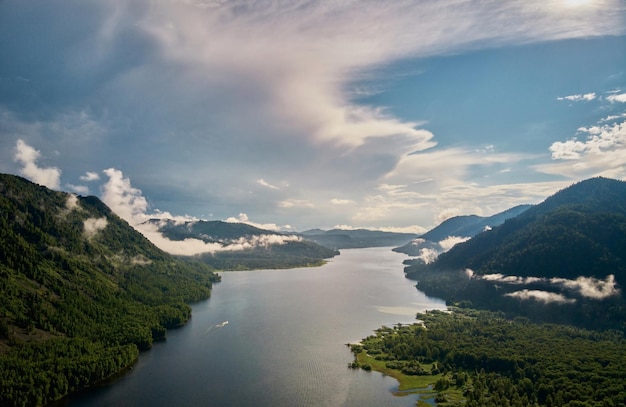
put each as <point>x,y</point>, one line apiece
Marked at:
<point>284,342</point>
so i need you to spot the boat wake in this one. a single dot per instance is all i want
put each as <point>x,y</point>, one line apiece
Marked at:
<point>216,327</point>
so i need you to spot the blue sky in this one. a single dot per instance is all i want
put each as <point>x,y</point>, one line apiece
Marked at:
<point>299,114</point>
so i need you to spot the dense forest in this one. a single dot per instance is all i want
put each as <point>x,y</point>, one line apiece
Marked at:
<point>563,260</point>
<point>82,292</point>
<point>478,358</point>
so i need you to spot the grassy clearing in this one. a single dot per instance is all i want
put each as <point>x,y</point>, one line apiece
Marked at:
<point>406,382</point>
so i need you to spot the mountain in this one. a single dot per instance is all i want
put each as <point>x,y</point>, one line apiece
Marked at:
<point>359,238</point>
<point>82,292</point>
<point>563,260</point>
<point>458,226</point>
<point>241,246</point>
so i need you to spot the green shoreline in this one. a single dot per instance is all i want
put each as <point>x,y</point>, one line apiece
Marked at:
<point>422,384</point>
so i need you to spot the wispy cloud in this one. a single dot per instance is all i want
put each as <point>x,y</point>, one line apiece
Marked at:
<point>336,201</point>
<point>589,287</point>
<point>92,226</point>
<point>579,98</point>
<point>541,296</point>
<point>243,218</point>
<point>266,184</point>
<point>90,176</point>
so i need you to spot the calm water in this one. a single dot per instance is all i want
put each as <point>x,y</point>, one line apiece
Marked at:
<point>284,344</point>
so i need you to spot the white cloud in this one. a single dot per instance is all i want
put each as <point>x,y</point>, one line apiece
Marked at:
<point>449,242</point>
<point>126,201</point>
<point>447,214</point>
<point>621,98</point>
<point>578,98</point>
<point>27,156</point>
<point>541,296</point>
<point>79,189</point>
<point>266,184</point>
<point>590,287</point>
<point>243,218</point>
<point>90,176</point>
<point>72,202</point>
<point>428,255</point>
<point>602,153</point>
<point>336,201</point>
<point>129,203</point>
<point>297,203</point>
<point>92,226</point>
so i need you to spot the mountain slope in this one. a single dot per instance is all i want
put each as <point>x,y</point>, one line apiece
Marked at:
<point>359,238</point>
<point>459,226</point>
<point>240,246</point>
<point>81,292</point>
<point>562,260</point>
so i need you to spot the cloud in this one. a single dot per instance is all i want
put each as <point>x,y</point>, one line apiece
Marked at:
<point>277,86</point>
<point>449,242</point>
<point>129,203</point>
<point>590,287</point>
<point>541,296</point>
<point>72,202</point>
<point>92,226</point>
<point>621,98</point>
<point>603,153</point>
<point>90,176</point>
<point>243,218</point>
<point>500,278</point>
<point>578,98</point>
<point>266,184</point>
<point>79,189</point>
<point>336,201</point>
<point>27,156</point>
<point>298,203</point>
<point>428,255</point>
<point>126,201</point>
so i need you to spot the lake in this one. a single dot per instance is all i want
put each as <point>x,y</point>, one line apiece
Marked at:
<point>284,343</point>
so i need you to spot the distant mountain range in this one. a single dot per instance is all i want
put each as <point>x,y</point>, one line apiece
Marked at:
<point>242,246</point>
<point>563,260</point>
<point>81,292</point>
<point>358,238</point>
<point>459,226</point>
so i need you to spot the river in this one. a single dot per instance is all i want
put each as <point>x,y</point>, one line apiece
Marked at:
<point>284,343</point>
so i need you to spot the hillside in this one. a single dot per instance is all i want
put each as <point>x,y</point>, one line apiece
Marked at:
<point>82,292</point>
<point>458,226</point>
<point>563,260</point>
<point>359,238</point>
<point>247,247</point>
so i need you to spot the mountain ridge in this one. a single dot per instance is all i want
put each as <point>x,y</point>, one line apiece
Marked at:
<point>82,292</point>
<point>563,260</point>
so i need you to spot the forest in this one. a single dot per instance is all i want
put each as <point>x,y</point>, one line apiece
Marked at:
<point>479,358</point>
<point>82,292</point>
<point>574,237</point>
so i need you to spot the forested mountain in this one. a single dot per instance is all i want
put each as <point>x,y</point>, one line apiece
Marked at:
<point>359,238</point>
<point>563,260</point>
<point>252,248</point>
<point>459,226</point>
<point>81,292</point>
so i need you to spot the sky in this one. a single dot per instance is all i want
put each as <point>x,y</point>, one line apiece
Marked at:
<point>291,115</point>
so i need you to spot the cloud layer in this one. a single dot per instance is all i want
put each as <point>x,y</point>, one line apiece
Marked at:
<point>287,110</point>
